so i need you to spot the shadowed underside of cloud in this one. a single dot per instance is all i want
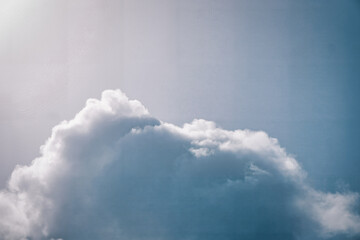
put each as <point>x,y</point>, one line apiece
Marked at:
<point>115,172</point>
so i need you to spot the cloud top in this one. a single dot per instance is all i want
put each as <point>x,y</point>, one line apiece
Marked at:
<point>116,172</point>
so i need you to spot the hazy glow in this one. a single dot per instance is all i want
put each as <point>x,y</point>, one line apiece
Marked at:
<point>11,13</point>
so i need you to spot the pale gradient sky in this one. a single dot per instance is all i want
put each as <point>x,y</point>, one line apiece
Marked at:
<point>290,68</point>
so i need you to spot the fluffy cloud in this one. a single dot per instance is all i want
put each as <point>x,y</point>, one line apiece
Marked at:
<point>115,172</point>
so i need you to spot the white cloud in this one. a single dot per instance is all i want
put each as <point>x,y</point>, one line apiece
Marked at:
<point>334,212</point>
<point>115,172</point>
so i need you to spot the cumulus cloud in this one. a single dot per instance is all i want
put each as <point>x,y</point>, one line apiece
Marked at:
<point>116,172</point>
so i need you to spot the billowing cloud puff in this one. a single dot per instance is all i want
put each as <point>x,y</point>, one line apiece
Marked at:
<point>116,172</point>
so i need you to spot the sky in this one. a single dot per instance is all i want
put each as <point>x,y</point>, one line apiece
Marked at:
<point>288,68</point>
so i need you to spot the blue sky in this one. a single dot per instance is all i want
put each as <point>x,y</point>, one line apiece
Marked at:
<point>289,68</point>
